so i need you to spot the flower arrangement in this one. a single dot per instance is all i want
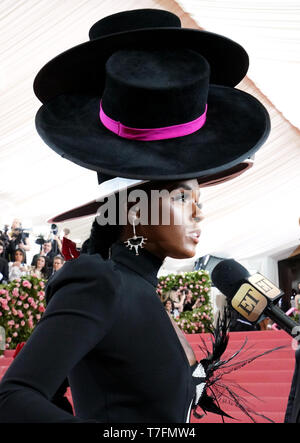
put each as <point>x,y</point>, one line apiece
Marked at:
<point>198,283</point>
<point>22,303</point>
<point>196,321</point>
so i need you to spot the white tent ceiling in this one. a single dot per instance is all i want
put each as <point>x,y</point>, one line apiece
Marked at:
<point>256,214</point>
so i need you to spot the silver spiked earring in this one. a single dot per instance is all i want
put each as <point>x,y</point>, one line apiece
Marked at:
<point>135,241</point>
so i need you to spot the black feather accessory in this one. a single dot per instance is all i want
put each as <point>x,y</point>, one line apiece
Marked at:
<point>210,390</point>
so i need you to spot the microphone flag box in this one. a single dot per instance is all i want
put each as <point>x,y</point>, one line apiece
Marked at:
<point>253,297</point>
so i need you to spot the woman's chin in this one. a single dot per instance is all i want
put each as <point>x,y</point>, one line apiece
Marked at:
<point>183,253</point>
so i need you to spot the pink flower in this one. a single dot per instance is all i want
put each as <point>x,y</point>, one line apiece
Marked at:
<point>18,280</point>
<point>41,308</point>
<point>15,292</point>
<point>38,316</point>
<point>26,305</point>
<point>27,284</point>
<point>17,326</point>
<point>8,339</point>
<point>19,303</point>
<point>14,311</point>
<point>20,314</point>
<point>23,323</point>
<point>30,300</point>
<point>42,284</point>
<point>15,334</point>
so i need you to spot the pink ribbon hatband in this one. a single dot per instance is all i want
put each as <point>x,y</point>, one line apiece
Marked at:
<point>152,133</point>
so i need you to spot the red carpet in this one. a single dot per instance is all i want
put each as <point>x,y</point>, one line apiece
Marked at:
<point>269,377</point>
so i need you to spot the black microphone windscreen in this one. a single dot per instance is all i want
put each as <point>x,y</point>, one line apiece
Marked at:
<point>228,276</point>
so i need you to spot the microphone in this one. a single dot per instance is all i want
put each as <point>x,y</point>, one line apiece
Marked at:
<point>252,296</point>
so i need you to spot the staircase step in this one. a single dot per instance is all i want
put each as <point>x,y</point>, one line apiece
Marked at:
<point>240,417</point>
<point>5,361</point>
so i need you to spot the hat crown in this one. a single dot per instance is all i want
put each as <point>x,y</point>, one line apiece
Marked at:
<point>155,88</point>
<point>132,20</point>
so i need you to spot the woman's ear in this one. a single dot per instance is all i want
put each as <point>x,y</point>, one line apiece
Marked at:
<point>134,214</point>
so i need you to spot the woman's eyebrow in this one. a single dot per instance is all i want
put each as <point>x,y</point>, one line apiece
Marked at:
<point>181,185</point>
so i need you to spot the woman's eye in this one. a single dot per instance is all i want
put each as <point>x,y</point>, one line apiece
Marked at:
<point>181,197</point>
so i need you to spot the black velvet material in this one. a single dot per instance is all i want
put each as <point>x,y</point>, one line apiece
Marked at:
<point>107,330</point>
<point>237,125</point>
<point>150,89</point>
<point>135,19</point>
<point>81,69</point>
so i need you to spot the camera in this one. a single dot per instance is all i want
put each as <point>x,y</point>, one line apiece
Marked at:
<point>54,229</point>
<point>19,235</point>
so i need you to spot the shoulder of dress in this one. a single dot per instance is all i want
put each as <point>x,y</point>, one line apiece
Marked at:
<point>89,274</point>
<point>90,264</point>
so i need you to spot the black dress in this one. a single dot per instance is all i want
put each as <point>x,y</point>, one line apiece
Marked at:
<point>107,330</point>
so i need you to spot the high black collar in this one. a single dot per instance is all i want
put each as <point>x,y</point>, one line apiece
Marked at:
<point>145,264</point>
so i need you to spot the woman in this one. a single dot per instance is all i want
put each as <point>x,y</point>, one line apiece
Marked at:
<point>40,269</point>
<point>105,327</point>
<point>170,308</point>
<point>17,268</point>
<point>3,265</point>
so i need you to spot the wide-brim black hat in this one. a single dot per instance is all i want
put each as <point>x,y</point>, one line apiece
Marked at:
<point>148,81</point>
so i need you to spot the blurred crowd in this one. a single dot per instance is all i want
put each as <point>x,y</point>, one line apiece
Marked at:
<point>14,251</point>
<point>177,301</point>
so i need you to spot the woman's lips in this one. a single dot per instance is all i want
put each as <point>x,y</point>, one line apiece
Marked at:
<point>194,235</point>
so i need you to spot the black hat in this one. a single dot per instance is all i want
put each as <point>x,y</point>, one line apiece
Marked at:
<point>153,103</point>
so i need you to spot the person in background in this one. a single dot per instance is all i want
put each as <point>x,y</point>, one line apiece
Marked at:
<point>297,297</point>
<point>17,240</point>
<point>40,269</point>
<point>170,308</point>
<point>17,268</point>
<point>177,299</point>
<point>3,265</point>
<point>58,263</point>
<point>69,250</point>
<point>46,252</point>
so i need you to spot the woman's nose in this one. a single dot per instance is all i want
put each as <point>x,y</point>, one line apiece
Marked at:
<point>198,215</point>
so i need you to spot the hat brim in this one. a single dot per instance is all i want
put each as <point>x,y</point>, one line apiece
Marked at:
<point>81,69</point>
<point>118,184</point>
<point>236,126</point>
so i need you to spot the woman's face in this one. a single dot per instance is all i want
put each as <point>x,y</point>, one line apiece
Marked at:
<point>40,263</point>
<point>19,256</point>
<point>168,306</point>
<point>179,237</point>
